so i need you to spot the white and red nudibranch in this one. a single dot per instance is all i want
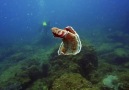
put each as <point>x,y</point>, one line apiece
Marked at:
<point>71,44</point>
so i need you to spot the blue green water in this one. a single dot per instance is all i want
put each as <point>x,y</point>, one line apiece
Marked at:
<point>20,20</point>
<point>26,43</point>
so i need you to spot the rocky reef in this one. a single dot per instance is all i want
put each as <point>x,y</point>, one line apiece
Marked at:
<point>114,61</point>
<point>41,69</point>
<point>53,72</point>
<point>71,81</point>
<point>78,66</point>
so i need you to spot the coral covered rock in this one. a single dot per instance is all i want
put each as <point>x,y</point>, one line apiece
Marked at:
<point>83,63</point>
<point>119,56</point>
<point>124,81</point>
<point>71,81</point>
<point>44,71</point>
<point>111,82</point>
<point>18,77</point>
<point>38,85</point>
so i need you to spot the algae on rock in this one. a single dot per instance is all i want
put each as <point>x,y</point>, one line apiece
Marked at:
<point>82,64</point>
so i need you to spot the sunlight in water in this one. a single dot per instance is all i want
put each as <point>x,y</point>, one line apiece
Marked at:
<point>41,3</point>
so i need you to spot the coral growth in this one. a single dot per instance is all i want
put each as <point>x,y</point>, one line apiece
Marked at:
<point>71,81</point>
<point>38,69</point>
<point>83,63</point>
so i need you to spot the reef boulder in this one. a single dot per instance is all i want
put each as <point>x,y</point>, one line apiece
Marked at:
<point>71,81</point>
<point>83,64</point>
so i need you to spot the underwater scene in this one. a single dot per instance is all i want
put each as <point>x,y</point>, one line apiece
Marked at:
<point>64,44</point>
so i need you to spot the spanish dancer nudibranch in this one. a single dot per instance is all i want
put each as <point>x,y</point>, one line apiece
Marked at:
<point>71,44</point>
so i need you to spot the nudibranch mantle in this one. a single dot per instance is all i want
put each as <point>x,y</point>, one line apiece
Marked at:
<point>71,44</point>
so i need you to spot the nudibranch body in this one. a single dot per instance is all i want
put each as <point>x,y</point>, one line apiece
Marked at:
<point>71,44</point>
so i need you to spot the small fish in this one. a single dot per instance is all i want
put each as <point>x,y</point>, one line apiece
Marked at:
<point>71,44</point>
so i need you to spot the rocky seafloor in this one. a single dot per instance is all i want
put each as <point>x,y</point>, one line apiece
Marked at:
<point>31,67</point>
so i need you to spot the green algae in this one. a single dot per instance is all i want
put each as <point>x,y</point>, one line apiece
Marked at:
<point>82,64</point>
<point>42,69</point>
<point>71,81</point>
<point>38,85</point>
<point>121,52</point>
